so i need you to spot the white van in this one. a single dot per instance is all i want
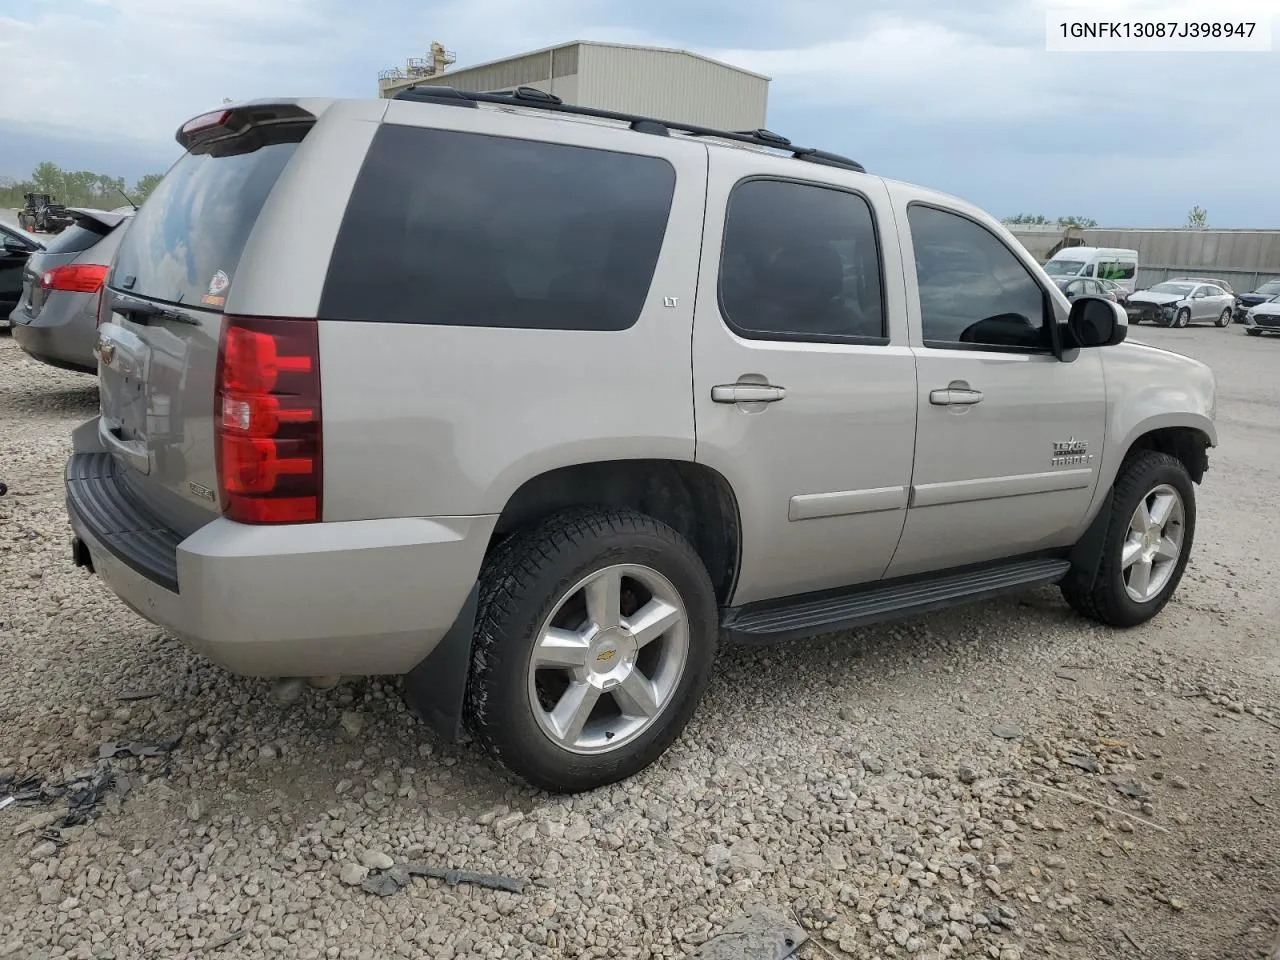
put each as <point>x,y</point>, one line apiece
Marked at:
<point>1106,263</point>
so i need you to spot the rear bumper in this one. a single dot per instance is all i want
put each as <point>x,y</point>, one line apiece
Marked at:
<point>62,337</point>
<point>353,598</point>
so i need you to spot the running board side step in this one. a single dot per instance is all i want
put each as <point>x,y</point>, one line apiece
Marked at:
<point>807,615</point>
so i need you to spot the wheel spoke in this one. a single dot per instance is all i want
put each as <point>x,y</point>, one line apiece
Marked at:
<point>1140,577</point>
<point>560,648</point>
<point>571,713</point>
<point>604,599</point>
<point>1132,551</point>
<point>652,621</point>
<point>635,696</point>
<point>1141,519</point>
<point>1162,509</point>
<point>1168,549</point>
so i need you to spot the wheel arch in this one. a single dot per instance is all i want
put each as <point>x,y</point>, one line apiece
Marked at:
<point>692,498</point>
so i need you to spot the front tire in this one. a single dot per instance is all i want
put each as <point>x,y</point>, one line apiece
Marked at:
<point>1146,546</point>
<point>1253,331</point>
<point>1183,318</point>
<point>1225,319</point>
<point>595,635</point>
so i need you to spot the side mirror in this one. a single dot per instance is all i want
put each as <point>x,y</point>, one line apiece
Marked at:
<point>1097,322</point>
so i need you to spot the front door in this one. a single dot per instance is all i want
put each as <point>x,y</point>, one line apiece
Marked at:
<point>1009,438</point>
<point>804,382</point>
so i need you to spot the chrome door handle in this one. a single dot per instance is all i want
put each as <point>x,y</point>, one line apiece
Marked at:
<point>954,396</point>
<point>747,393</point>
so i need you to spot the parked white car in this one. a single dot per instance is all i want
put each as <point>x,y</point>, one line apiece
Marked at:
<point>1178,303</point>
<point>1264,318</point>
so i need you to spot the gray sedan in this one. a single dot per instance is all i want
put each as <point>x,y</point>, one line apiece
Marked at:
<point>56,321</point>
<point>1178,303</point>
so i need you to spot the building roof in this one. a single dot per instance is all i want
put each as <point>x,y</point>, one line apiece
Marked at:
<point>602,43</point>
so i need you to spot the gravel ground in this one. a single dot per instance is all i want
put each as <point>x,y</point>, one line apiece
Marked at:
<point>1005,781</point>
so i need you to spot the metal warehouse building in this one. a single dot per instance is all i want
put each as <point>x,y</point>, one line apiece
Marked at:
<point>652,81</point>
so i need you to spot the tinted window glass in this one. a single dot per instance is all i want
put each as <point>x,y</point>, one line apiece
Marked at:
<point>973,289</point>
<point>1115,270</point>
<point>77,238</point>
<point>472,230</point>
<point>801,262</point>
<point>193,228</point>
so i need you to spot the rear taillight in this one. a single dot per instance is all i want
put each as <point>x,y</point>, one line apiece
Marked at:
<point>74,278</point>
<point>267,420</point>
<point>98,306</point>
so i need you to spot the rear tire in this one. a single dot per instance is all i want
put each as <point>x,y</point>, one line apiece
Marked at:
<point>1225,319</point>
<point>1146,546</point>
<point>595,635</point>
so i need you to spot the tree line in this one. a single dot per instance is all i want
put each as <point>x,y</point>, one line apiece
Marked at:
<point>76,188</point>
<point>1197,219</point>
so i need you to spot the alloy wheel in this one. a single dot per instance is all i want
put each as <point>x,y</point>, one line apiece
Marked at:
<point>609,658</point>
<point>1153,545</point>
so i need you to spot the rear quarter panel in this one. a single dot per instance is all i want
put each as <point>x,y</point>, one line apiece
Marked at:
<point>435,420</point>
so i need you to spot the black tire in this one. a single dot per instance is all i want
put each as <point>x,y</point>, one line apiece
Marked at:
<point>1183,319</point>
<point>523,581</point>
<point>1225,319</point>
<point>1253,331</point>
<point>1107,600</point>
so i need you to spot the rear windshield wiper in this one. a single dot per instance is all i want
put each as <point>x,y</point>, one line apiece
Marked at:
<point>142,312</point>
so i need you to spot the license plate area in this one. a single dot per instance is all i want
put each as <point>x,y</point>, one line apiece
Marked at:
<point>124,368</point>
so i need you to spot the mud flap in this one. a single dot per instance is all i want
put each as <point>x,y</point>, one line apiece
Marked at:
<point>436,688</point>
<point>1086,555</point>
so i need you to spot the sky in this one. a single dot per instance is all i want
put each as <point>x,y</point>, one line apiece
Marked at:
<point>958,96</point>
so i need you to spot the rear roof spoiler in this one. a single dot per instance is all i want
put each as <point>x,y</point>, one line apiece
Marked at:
<point>245,126</point>
<point>109,219</point>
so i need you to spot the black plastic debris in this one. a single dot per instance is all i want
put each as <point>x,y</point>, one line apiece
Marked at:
<point>130,696</point>
<point>455,877</point>
<point>137,748</point>
<point>1131,789</point>
<point>386,882</point>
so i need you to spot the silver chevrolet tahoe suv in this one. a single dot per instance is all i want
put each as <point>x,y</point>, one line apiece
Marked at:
<point>536,405</point>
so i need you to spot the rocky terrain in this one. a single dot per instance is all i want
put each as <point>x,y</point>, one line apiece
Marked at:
<point>1004,781</point>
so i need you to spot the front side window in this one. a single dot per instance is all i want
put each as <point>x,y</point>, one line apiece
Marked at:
<point>800,262</point>
<point>973,289</point>
<point>468,229</point>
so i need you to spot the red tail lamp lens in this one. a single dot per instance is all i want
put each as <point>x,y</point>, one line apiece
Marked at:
<point>267,420</point>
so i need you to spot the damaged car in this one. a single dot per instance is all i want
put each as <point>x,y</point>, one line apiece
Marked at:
<point>1179,303</point>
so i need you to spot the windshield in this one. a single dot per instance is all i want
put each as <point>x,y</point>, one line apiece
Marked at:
<point>1271,289</point>
<point>1064,268</point>
<point>1181,289</point>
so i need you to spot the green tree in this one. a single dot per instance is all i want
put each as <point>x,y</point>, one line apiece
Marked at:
<point>1026,218</point>
<point>145,185</point>
<point>1084,223</point>
<point>1198,218</point>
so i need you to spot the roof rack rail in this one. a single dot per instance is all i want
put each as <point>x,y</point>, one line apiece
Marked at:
<point>538,99</point>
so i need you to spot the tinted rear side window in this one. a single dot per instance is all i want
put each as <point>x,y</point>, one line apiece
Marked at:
<point>467,229</point>
<point>77,238</point>
<point>185,242</point>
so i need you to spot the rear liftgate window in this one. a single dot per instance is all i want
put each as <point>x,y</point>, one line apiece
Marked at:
<point>185,242</point>
<point>466,229</point>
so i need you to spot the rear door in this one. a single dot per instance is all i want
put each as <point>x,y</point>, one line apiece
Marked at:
<point>804,384</point>
<point>170,283</point>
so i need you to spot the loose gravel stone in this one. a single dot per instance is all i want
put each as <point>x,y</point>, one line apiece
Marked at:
<point>810,777</point>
